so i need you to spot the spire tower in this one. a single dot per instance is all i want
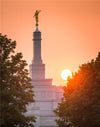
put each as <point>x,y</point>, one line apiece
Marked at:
<point>37,68</point>
<point>37,47</point>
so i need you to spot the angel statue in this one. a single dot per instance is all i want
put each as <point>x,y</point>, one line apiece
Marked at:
<point>36,16</point>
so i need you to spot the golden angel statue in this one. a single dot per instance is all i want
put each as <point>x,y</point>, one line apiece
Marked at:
<point>36,16</point>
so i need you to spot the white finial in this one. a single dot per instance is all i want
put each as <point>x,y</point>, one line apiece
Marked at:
<point>37,29</point>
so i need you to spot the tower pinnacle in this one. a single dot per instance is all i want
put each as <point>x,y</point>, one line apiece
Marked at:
<point>37,68</point>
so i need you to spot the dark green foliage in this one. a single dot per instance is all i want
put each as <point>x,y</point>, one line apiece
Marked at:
<point>15,87</point>
<point>81,101</point>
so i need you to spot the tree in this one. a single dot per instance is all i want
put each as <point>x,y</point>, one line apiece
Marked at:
<point>81,102</point>
<point>15,87</point>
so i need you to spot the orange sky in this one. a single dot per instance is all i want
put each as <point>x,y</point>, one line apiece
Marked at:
<point>70,31</point>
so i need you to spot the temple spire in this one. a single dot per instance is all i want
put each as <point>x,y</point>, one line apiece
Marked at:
<point>37,41</point>
<point>37,68</point>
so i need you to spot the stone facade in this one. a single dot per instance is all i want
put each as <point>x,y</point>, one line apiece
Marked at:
<point>47,96</point>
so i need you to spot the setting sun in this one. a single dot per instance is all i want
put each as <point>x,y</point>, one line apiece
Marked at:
<point>65,74</point>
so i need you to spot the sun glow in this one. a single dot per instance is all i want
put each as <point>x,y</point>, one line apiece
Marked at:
<point>65,74</point>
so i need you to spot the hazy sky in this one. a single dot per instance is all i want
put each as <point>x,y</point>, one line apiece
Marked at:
<point>70,31</point>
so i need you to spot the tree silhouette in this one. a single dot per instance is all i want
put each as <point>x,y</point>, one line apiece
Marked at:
<point>80,105</point>
<point>15,87</point>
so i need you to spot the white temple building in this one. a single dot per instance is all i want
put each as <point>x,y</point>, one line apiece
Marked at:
<point>47,96</point>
